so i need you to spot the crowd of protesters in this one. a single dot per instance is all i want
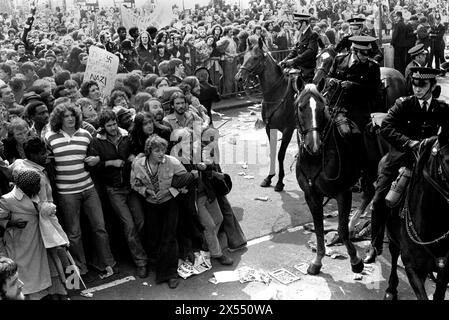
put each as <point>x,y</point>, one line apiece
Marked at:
<point>68,152</point>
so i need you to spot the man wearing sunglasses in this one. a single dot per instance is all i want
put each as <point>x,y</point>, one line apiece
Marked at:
<point>356,26</point>
<point>410,120</point>
<point>419,58</point>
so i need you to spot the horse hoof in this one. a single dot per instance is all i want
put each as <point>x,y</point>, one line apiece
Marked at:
<point>313,269</point>
<point>266,183</point>
<point>279,187</point>
<point>358,267</point>
<point>391,296</point>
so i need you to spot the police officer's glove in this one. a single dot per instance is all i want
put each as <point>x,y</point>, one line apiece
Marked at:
<point>333,82</point>
<point>413,145</point>
<point>289,63</point>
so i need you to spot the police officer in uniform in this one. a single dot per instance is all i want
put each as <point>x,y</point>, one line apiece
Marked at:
<point>303,55</point>
<point>356,25</point>
<point>409,121</point>
<point>419,58</point>
<point>352,86</point>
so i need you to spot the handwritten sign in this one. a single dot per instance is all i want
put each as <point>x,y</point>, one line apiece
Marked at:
<point>102,67</point>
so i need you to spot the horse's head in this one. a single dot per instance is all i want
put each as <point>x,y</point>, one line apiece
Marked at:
<point>253,60</point>
<point>311,115</point>
<point>323,64</point>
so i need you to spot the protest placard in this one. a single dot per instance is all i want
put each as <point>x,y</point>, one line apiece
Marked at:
<point>102,67</point>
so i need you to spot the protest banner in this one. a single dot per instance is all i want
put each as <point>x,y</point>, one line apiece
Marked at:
<point>160,17</point>
<point>102,67</point>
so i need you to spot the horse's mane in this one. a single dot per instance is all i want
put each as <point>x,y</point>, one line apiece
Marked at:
<point>310,89</point>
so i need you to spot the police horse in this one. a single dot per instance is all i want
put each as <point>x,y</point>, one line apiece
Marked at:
<point>328,166</point>
<point>421,234</point>
<point>277,105</point>
<point>394,86</point>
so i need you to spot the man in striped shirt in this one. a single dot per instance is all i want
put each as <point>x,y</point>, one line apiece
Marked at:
<point>69,144</point>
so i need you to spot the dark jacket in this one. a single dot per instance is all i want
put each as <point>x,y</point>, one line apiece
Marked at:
<point>401,34</point>
<point>11,153</point>
<point>305,51</point>
<point>108,175</point>
<point>208,94</point>
<point>359,98</point>
<point>406,121</point>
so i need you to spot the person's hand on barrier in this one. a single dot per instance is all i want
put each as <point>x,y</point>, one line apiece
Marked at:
<point>289,63</point>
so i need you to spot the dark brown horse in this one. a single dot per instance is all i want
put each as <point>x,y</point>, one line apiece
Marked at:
<point>277,105</point>
<point>328,166</point>
<point>422,234</point>
<point>394,86</point>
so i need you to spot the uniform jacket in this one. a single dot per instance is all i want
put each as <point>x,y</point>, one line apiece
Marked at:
<point>406,121</point>
<point>401,35</point>
<point>305,51</point>
<point>359,98</point>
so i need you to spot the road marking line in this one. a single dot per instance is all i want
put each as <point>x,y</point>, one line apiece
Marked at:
<point>108,285</point>
<point>259,240</point>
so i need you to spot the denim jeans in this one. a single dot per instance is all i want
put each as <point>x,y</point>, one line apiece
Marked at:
<point>211,219</point>
<point>70,205</point>
<point>127,207</point>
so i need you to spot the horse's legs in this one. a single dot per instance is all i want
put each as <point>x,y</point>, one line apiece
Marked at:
<point>441,285</point>
<point>314,201</point>
<point>392,291</point>
<point>344,200</point>
<point>286,138</point>
<point>394,229</point>
<point>272,139</point>
<point>416,281</point>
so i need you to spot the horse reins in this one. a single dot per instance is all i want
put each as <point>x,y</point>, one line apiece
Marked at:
<point>410,228</point>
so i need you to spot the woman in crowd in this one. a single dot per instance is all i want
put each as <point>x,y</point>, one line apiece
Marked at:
<point>152,177</point>
<point>144,49</point>
<point>18,133</point>
<point>89,89</point>
<point>161,53</point>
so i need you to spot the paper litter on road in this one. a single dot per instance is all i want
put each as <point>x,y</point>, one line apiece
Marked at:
<point>358,276</point>
<point>247,274</point>
<point>242,173</point>
<point>284,276</point>
<point>244,165</point>
<point>226,276</point>
<point>201,264</point>
<point>301,267</point>
<point>334,254</point>
<point>261,198</point>
<point>248,177</point>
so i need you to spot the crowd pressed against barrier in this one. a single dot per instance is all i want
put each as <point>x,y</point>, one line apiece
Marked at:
<point>73,162</point>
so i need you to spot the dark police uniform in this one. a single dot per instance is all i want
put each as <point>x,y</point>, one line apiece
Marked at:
<point>345,43</point>
<point>303,55</point>
<point>359,99</point>
<point>405,122</point>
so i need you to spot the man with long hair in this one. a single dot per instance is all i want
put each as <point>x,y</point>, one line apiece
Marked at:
<point>69,143</point>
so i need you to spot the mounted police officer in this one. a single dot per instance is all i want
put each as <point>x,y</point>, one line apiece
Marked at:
<point>351,88</point>
<point>356,25</point>
<point>303,55</point>
<point>409,121</point>
<point>419,58</point>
